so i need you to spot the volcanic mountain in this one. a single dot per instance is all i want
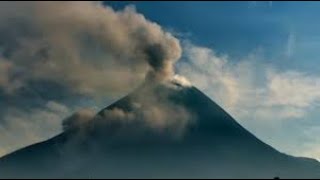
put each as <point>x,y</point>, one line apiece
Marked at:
<point>158,131</point>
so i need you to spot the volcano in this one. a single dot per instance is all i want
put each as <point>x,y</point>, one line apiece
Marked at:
<point>158,131</point>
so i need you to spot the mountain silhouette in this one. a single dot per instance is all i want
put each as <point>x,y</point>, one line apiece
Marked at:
<point>187,136</point>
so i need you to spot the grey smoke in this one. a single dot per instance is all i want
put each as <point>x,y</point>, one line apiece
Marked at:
<point>85,46</point>
<point>67,51</point>
<point>149,108</point>
<point>78,119</point>
<point>19,128</point>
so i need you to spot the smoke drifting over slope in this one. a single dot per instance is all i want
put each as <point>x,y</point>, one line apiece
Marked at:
<point>78,119</point>
<point>65,51</point>
<point>85,46</point>
<point>151,108</point>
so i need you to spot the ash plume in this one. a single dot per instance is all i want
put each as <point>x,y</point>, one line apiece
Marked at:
<point>85,46</point>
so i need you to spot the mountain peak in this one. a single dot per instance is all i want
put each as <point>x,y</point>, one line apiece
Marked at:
<point>165,130</point>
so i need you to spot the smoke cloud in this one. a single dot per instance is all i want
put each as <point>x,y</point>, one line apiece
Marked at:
<point>73,53</point>
<point>22,128</point>
<point>149,108</point>
<point>85,46</point>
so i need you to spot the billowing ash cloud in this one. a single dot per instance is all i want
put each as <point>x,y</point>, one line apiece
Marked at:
<point>150,108</point>
<point>84,46</point>
<point>69,52</point>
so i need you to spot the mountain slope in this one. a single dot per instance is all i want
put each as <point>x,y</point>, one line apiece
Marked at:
<point>186,136</point>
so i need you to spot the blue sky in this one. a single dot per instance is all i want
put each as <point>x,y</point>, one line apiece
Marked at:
<point>281,35</point>
<point>238,28</point>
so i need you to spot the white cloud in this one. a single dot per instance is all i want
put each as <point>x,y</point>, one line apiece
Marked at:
<point>293,88</point>
<point>208,72</point>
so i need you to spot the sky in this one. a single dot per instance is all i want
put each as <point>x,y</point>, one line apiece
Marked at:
<point>258,60</point>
